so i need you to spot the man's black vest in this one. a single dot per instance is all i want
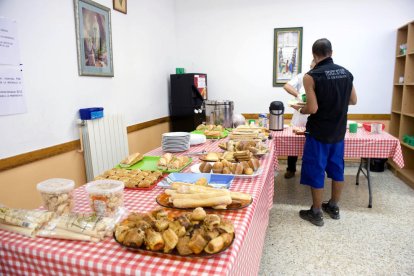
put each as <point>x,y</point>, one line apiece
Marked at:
<point>333,86</point>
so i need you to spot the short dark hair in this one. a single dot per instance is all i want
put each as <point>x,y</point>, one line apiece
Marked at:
<point>322,47</point>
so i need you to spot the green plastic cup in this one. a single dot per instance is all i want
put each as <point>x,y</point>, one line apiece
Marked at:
<point>304,98</point>
<point>353,128</point>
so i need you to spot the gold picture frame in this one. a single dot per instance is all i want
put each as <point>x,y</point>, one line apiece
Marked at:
<point>120,5</point>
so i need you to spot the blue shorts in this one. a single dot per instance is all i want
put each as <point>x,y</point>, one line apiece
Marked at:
<point>319,157</point>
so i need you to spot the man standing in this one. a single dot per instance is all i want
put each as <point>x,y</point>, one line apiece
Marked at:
<point>329,90</point>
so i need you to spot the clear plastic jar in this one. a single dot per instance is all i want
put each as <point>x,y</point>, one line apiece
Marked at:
<point>106,197</point>
<point>57,194</point>
<point>263,120</point>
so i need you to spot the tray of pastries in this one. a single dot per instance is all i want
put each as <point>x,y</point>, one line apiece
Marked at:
<point>211,131</point>
<point>244,169</point>
<point>195,234</point>
<point>166,163</point>
<point>189,196</point>
<point>257,148</point>
<point>133,179</point>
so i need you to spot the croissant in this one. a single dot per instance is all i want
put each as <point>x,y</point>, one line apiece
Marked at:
<point>154,240</point>
<point>197,243</point>
<point>182,246</point>
<point>215,245</point>
<point>134,237</point>
<point>162,162</point>
<point>170,239</point>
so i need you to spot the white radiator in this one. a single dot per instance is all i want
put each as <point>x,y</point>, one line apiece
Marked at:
<point>105,144</point>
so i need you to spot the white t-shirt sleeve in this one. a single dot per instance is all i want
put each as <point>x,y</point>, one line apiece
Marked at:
<point>297,81</point>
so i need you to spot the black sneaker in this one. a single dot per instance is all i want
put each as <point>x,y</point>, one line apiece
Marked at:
<point>332,211</point>
<point>309,215</point>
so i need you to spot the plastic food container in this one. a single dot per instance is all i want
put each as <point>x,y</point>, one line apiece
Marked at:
<point>106,197</point>
<point>57,194</point>
<point>372,127</point>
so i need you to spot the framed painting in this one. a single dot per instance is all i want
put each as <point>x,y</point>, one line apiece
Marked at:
<point>120,5</point>
<point>287,54</point>
<point>94,39</point>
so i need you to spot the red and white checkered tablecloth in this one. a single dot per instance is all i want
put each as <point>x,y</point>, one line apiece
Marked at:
<point>357,145</point>
<point>21,255</point>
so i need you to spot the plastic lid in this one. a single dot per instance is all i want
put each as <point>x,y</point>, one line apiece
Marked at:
<point>105,186</point>
<point>56,185</point>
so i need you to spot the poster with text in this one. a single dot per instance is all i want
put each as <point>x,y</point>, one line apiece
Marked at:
<point>9,47</point>
<point>12,99</point>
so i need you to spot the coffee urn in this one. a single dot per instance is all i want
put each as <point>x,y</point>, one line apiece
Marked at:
<point>276,111</point>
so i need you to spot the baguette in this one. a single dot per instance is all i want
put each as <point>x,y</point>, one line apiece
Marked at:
<point>240,196</point>
<point>205,195</point>
<point>194,203</point>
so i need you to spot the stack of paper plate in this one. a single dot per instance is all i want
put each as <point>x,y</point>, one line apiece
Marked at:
<point>175,141</point>
<point>196,139</point>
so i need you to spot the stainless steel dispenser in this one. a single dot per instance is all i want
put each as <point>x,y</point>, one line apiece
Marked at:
<point>219,112</point>
<point>276,111</point>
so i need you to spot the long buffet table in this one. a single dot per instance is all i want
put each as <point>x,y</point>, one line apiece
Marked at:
<point>21,255</point>
<point>363,144</point>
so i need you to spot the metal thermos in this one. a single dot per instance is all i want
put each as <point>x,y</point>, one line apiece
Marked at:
<point>219,112</point>
<point>276,111</point>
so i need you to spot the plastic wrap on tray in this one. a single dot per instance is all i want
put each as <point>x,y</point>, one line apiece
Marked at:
<point>25,222</point>
<point>85,227</point>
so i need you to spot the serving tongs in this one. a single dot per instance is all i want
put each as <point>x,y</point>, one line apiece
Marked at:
<point>197,153</point>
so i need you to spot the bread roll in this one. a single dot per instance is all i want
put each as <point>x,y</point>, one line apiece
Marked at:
<point>254,164</point>
<point>218,167</point>
<point>239,169</point>
<point>248,171</point>
<point>226,170</point>
<point>205,167</point>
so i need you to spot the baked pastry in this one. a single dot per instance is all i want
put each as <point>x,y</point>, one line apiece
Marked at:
<point>198,214</point>
<point>218,167</point>
<point>212,156</point>
<point>154,240</point>
<point>239,169</point>
<point>197,243</point>
<point>182,246</point>
<point>170,239</point>
<point>226,170</point>
<point>205,167</point>
<point>248,171</point>
<point>254,164</point>
<point>132,159</point>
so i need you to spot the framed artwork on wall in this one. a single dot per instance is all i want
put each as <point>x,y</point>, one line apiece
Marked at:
<point>287,54</point>
<point>94,39</point>
<point>120,5</point>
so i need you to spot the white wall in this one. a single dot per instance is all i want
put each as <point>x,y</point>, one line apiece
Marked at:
<point>232,41</point>
<point>143,50</point>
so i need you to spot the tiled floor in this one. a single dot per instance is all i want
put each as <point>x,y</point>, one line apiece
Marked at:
<point>377,241</point>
